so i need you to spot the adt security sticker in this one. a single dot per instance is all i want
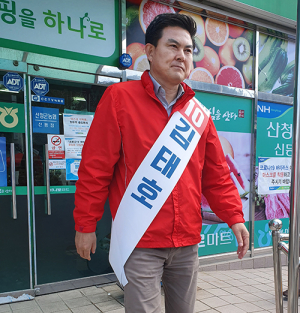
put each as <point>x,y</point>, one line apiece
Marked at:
<point>3,170</point>
<point>13,81</point>
<point>39,86</point>
<point>72,169</point>
<point>45,120</point>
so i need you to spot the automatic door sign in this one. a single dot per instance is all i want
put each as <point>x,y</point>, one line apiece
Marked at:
<point>39,86</point>
<point>56,146</point>
<point>57,164</point>
<point>13,82</point>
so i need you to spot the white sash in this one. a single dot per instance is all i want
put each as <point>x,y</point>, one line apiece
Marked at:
<point>154,180</point>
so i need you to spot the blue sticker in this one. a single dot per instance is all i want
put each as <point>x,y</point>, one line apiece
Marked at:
<point>13,81</point>
<point>271,110</point>
<point>3,169</point>
<point>45,120</point>
<point>72,166</point>
<point>40,86</point>
<point>44,99</point>
<point>125,60</point>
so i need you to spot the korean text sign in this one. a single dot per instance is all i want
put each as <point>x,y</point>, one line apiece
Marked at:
<point>85,31</point>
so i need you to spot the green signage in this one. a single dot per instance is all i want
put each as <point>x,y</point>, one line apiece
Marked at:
<point>228,113</point>
<point>12,118</point>
<point>274,130</point>
<point>286,9</point>
<point>85,32</point>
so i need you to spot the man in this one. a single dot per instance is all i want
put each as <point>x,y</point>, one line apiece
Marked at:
<point>129,119</point>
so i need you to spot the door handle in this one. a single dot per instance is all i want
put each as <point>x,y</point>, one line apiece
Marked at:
<point>13,180</point>
<point>48,181</point>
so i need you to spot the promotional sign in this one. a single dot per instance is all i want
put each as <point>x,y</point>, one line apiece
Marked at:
<point>72,169</point>
<point>274,175</point>
<point>276,65</point>
<point>232,118</point>
<point>75,31</point>
<point>273,141</point>
<point>77,124</point>
<point>223,53</point>
<point>12,118</point>
<point>74,147</point>
<point>57,164</point>
<point>13,81</point>
<point>40,86</point>
<point>56,146</point>
<point>45,120</point>
<point>3,170</point>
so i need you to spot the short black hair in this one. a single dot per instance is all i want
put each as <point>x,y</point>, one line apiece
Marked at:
<point>161,21</point>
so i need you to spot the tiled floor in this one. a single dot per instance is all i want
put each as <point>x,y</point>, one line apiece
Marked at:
<point>230,291</point>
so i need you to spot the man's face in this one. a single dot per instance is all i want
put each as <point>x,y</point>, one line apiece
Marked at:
<point>172,58</point>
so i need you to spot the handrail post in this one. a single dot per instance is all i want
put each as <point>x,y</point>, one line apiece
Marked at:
<point>275,225</point>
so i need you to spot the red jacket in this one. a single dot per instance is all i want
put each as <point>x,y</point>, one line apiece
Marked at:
<point>128,120</point>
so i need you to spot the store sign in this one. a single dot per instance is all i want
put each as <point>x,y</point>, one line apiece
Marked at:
<point>86,31</point>
<point>40,86</point>
<point>45,120</point>
<point>13,81</point>
<point>277,7</point>
<point>12,118</point>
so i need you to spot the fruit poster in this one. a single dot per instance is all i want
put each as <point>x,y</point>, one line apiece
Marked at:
<point>223,54</point>
<point>276,65</point>
<point>273,140</point>
<point>232,118</point>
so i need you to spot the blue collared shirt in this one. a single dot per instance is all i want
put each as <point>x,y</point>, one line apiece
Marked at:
<point>161,95</point>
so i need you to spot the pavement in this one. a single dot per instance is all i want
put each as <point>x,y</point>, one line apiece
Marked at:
<point>225,291</point>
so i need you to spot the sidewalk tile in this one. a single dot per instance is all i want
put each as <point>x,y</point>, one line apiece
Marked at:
<point>86,309</point>
<point>214,302</point>
<point>230,309</point>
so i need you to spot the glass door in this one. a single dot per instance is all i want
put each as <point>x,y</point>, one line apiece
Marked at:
<point>61,112</point>
<point>15,221</point>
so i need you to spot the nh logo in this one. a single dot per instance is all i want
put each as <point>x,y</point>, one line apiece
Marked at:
<point>263,108</point>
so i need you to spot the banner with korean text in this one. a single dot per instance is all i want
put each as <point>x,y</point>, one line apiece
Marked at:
<point>154,180</point>
<point>232,118</point>
<point>274,152</point>
<point>85,31</point>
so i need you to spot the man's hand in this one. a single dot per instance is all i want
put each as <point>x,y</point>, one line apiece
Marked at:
<point>242,237</point>
<point>85,244</point>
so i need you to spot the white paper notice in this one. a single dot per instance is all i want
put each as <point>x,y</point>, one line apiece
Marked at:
<point>274,175</point>
<point>57,164</point>
<point>77,124</point>
<point>73,147</point>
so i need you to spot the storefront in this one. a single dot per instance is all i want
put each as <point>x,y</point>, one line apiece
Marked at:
<point>55,63</point>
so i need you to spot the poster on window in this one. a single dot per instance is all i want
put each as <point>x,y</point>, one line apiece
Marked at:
<point>223,53</point>
<point>273,141</point>
<point>77,124</point>
<point>232,118</point>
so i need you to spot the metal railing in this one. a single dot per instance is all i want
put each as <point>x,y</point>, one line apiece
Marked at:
<point>278,246</point>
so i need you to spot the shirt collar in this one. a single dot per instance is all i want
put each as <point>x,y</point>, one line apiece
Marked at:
<point>158,88</point>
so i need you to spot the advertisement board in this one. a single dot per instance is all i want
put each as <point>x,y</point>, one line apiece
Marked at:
<point>232,118</point>
<point>86,31</point>
<point>276,65</point>
<point>223,52</point>
<point>274,141</point>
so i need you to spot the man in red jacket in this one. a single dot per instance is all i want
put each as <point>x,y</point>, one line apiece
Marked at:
<point>156,205</point>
